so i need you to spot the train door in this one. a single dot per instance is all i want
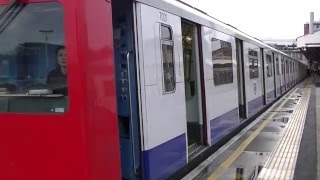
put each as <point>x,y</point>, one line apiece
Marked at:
<point>221,86</point>
<point>283,74</point>
<point>126,86</point>
<point>241,81</point>
<point>254,91</point>
<point>162,91</point>
<point>269,76</point>
<point>193,86</point>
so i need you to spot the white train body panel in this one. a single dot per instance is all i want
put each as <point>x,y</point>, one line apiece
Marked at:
<point>269,76</point>
<point>220,99</point>
<point>164,115</point>
<point>253,86</point>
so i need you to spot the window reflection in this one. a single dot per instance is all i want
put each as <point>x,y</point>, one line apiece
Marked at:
<point>222,61</point>
<point>169,79</point>
<point>253,64</point>
<point>269,65</point>
<point>30,35</point>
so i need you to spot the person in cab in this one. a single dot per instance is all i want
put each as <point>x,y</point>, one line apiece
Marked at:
<point>57,78</point>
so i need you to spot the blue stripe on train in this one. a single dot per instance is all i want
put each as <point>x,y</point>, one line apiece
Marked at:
<point>223,125</point>
<point>254,106</point>
<point>165,159</point>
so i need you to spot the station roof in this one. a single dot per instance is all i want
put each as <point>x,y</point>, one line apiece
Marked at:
<point>309,45</point>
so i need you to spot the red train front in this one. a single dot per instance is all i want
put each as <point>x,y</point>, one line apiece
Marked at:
<point>57,101</point>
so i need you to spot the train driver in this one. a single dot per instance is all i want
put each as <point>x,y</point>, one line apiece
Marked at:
<point>57,78</point>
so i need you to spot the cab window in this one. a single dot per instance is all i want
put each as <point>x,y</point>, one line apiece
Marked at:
<point>33,61</point>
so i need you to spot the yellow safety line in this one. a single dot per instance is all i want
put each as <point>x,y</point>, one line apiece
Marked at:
<point>225,165</point>
<point>191,145</point>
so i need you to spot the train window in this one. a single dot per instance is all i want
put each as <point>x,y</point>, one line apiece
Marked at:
<point>253,64</point>
<point>169,79</point>
<point>222,62</point>
<point>269,65</point>
<point>166,33</point>
<point>33,76</point>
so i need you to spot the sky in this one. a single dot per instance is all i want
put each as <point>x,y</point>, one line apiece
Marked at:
<point>263,19</point>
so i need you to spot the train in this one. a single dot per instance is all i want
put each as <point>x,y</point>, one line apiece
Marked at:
<point>126,89</point>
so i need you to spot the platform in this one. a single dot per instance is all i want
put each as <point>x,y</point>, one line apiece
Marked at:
<point>280,144</point>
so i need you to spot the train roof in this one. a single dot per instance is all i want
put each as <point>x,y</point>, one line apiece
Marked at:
<point>191,13</point>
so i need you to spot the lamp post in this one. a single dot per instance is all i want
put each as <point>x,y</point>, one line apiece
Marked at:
<point>46,33</point>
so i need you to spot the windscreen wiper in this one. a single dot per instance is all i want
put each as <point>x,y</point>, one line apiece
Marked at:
<point>8,8</point>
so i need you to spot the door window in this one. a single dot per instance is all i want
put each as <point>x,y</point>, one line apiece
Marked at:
<point>222,61</point>
<point>167,47</point>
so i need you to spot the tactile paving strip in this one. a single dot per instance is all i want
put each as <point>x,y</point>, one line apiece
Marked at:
<point>281,163</point>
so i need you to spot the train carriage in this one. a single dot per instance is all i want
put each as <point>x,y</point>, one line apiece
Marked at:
<point>253,78</point>
<point>220,74</point>
<point>182,64</point>
<point>142,87</point>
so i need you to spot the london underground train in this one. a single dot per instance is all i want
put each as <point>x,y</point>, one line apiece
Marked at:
<point>126,89</point>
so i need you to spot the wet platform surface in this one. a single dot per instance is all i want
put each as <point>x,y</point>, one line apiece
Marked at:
<point>257,146</point>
